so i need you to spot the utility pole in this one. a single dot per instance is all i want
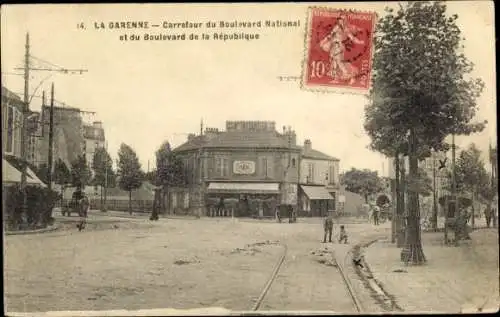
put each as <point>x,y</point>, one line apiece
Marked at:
<point>105,177</point>
<point>201,166</point>
<point>24,131</point>
<point>51,135</point>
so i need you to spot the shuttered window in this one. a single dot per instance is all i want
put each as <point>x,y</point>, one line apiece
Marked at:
<point>225,167</point>
<point>270,168</point>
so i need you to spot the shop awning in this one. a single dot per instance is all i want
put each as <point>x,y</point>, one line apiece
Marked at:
<point>244,188</point>
<point>316,193</point>
<point>11,175</point>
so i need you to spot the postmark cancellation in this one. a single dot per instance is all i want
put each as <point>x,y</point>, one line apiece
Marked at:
<point>338,50</point>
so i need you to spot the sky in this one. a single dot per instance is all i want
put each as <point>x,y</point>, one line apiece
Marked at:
<point>147,92</point>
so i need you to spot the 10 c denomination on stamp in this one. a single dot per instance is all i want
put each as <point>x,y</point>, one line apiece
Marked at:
<point>339,50</point>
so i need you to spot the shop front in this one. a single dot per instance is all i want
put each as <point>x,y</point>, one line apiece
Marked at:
<point>242,199</point>
<point>316,201</point>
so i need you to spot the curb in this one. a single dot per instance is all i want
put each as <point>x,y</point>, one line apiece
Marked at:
<point>42,230</point>
<point>385,300</point>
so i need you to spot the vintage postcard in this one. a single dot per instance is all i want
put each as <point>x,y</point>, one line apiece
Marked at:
<point>235,159</point>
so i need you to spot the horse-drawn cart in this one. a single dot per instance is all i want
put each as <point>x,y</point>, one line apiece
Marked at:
<point>70,207</point>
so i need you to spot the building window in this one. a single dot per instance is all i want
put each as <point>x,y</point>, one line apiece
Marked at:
<point>293,162</point>
<point>331,177</point>
<point>10,130</point>
<point>222,167</point>
<point>310,173</point>
<point>174,200</point>
<point>225,167</point>
<point>186,200</point>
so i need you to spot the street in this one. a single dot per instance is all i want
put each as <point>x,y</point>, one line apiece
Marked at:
<point>173,263</point>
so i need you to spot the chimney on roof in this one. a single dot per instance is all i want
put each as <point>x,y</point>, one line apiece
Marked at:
<point>211,132</point>
<point>307,145</point>
<point>97,124</point>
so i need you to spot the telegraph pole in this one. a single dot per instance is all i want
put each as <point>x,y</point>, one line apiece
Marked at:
<point>51,135</point>
<point>24,131</point>
<point>105,177</point>
<point>434,193</point>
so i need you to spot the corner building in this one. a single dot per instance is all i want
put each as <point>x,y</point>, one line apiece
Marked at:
<point>251,165</point>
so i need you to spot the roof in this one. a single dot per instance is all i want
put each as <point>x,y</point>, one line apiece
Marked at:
<point>236,139</point>
<point>11,173</point>
<point>317,155</point>
<point>11,97</point>
<point>316,192</point>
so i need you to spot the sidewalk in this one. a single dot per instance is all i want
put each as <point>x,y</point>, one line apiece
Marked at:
<point>455,279</point>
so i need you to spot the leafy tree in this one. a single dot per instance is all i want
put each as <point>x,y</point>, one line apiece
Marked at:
<point>104,176</point>
<point>169,170</point>
<point>80,172</point>
<point>471,176</point>
<point>62,175</point>
<point>422,184</point>
<point>129,171</point>
<point>363,182</point>
<point>420,93</point>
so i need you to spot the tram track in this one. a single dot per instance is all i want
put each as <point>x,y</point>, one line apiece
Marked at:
<point>356,303</point>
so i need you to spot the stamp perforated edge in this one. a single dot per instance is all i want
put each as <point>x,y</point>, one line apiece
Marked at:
<point>307,41</point>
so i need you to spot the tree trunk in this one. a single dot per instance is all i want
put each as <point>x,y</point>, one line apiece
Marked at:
<point>102,199</point>
<point>395,200</point>
<point>473,220</point>
<point>412,251</point>
<point>130,201</point>
<point>400,234</point>
<point>366,198</point>
<point>434,219</point>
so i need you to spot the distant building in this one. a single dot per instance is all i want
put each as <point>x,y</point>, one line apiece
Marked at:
<point>94,138</point>
<point>319,182</point>
<point>68,135</point>
<point>250,165</point>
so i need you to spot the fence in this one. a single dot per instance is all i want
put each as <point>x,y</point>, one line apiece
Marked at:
<point>117,204</point>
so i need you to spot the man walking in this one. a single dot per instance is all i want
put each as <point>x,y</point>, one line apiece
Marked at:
<point>84,205</point>
<point>376,214</point>
<point>328,227</point>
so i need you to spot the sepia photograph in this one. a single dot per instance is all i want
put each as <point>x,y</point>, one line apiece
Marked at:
<point>249,158</point>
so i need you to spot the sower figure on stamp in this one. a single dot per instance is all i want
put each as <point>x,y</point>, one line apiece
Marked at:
<point>340,39</point>
<point>328,227</point>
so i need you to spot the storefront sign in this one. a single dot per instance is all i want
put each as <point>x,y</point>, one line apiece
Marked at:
<point>244,167</point>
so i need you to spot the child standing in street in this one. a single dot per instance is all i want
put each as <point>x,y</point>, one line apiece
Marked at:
<point>342,235</point>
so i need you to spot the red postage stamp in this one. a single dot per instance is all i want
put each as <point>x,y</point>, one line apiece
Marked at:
<point>339,49</point>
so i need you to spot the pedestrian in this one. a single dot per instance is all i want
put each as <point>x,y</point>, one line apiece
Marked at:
<point>84,205</point>
<point>328,228</point>
<point>156,205</point>
<point>487,215</point>
<point>342,235</point>
<point>376,214</point>
<point>220,207</point>
<point>278,216</point>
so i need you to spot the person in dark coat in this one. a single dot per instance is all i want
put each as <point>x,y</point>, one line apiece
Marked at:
<point>328,228</point>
